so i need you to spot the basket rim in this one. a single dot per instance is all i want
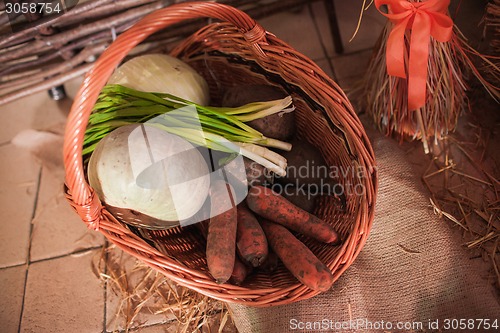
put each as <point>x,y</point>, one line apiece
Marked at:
<point>86,203</point>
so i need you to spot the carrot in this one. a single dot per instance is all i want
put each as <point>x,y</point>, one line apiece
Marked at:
<point>221,238</point>
<point>240,272</point>
<point>297,257</point>
<point>250,239</point>
<point>270,264</point>
<point>272,206</point>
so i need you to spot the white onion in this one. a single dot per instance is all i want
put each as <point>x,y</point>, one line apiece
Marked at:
<point>161,73</point>
<point>146,169</point>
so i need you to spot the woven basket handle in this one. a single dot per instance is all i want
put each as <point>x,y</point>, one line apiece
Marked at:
<point>81,195</point>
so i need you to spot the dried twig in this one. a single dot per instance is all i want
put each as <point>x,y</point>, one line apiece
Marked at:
<point>68,65</point>
<point>48,43</point>
<point>32,29</point>
<point>58,40</point>
<point>45,85</point>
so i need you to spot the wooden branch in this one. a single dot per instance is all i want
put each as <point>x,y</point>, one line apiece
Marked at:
<point>85,11</point>
<point>28,77</point>
<point>6,18</point>
<point>32,29</point>
<point>36,62</point>
<point>58,40</point>
<point>95,38</point>
<point>45,85</point>
<point>54,70</point>
<point>103,11</point>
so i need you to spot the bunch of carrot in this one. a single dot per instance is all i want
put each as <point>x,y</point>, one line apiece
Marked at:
<point>238,240</point>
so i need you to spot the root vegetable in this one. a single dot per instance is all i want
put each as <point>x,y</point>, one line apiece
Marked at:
<point>271,263</point>
<point>221,238</point>
<point>250,239</point>
<point>300,197</point>
<point>145,169</point>
<point>297,257</point>
<point>272,206</point>
<point>256,173</point>
<point>240,272</point>
<point>163,74</point>
<point>305,165</point>
<point>280,126</point>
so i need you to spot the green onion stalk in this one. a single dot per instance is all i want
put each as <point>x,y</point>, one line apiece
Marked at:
<point>217,128</point>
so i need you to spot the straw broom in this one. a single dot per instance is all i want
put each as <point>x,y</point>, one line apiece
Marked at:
<point>492,33</point>
<point>492,21</point>
<point>462,180</point>
<point>386,97</point>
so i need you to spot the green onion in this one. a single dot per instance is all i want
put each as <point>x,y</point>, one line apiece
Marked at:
<point>218,128</point>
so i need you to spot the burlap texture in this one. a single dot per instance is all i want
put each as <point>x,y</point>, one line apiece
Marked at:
<point>413,268</point>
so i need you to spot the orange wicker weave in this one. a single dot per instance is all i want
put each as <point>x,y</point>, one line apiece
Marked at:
<point>233,51</point>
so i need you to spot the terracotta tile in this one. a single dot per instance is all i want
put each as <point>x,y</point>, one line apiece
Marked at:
<point>57,229</point>
<point>170,327</point>
<point>19,170</point>
<point>19,177</point>
<point>351,65</point>
<point>72,86</point>
<point>173,327</point>
<point>19,115</point>
<point>347,16</point>
<point>12,282</point>
<point>296,29</point>
<point>134,276</point>
<point>37,111</point>
<point>63,295</point>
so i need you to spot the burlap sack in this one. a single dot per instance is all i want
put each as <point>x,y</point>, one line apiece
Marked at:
<point>412,273</point>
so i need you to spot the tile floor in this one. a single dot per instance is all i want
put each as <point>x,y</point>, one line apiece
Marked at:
<point>47,281</point>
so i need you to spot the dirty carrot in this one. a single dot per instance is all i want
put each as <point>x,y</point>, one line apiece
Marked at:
<point>272,206</point>
<point>270,264</point>
<point>221,238</point>
<point>240,272</point>
<point>297,257</point>
<point>250,239</point>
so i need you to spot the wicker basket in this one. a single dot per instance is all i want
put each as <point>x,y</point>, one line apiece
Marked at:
<point>234,51</point>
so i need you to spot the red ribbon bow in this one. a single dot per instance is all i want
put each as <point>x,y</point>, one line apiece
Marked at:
<point>425,19</point>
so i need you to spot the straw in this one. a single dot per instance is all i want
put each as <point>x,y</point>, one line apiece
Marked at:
<point>492,21</point>
<point>464,188</point>
<point>141,290</point>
